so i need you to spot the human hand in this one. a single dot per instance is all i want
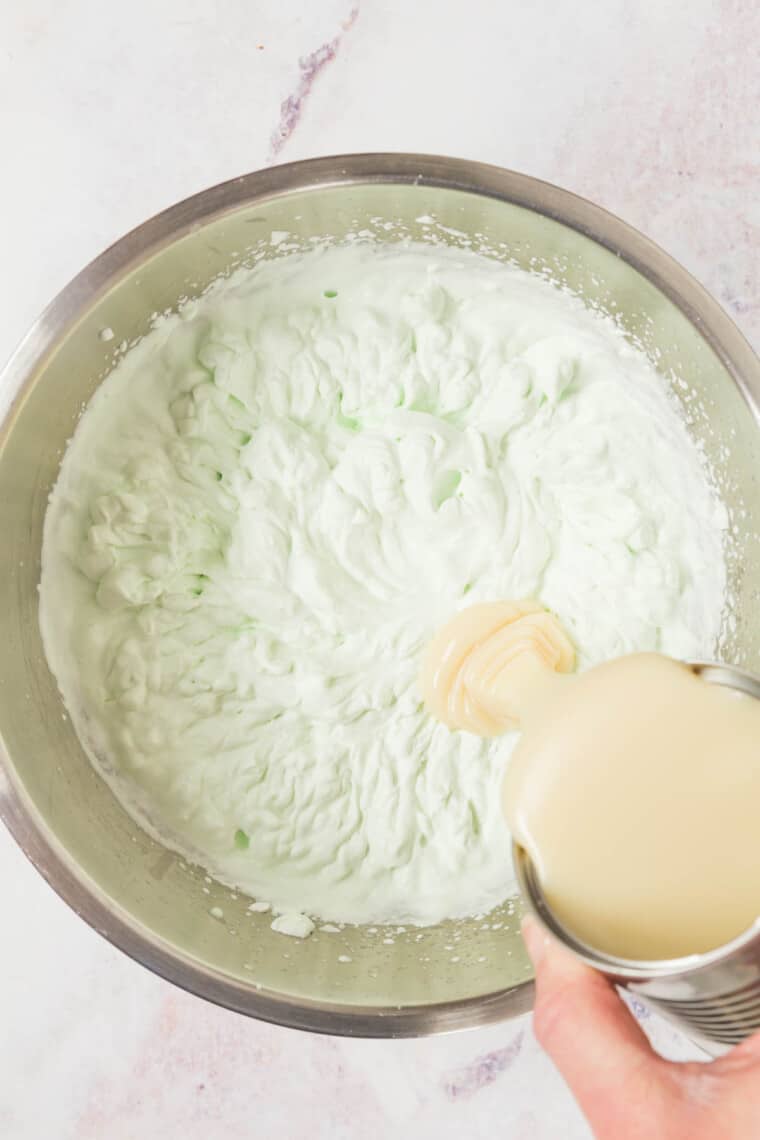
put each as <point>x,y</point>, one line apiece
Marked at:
<point>625,1090</point>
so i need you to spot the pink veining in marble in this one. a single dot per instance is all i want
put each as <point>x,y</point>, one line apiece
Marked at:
<point>310,67</point>
<point>686,169</point>
<point>484,1070</point>
<point>199,1066</point>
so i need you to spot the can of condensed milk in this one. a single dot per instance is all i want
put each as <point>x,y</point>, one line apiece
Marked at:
<point>713,997</point>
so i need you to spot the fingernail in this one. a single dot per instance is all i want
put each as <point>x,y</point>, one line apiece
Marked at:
<point>536,940</point>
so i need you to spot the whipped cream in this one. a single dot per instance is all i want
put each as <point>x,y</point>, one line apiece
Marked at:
<point>278,496</point>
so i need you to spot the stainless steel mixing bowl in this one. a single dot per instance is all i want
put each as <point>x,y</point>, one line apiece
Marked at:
<point>139,895</point>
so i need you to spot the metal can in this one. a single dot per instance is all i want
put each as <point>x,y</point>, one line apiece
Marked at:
<point>713,997</point>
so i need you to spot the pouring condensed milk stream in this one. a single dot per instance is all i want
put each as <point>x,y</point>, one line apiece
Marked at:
<point>634,787</point>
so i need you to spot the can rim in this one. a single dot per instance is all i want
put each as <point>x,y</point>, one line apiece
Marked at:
<point>641,969</point>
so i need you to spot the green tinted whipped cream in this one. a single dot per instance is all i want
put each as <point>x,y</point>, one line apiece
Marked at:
<point>275,499</point>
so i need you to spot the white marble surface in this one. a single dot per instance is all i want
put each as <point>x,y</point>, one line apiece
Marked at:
<point>108,113</point>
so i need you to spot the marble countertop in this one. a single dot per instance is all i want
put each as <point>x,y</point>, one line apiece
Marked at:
<point>109,113</point>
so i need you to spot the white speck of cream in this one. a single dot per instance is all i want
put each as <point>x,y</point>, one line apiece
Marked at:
<point>294,924</point>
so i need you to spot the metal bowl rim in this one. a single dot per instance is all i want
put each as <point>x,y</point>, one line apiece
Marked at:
<point>479,179</point>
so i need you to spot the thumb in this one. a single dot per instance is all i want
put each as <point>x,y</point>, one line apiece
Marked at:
<point>743,1056</point>
<point>588,1032</point>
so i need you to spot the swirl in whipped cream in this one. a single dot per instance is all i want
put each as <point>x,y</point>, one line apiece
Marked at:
<point>274,501</point>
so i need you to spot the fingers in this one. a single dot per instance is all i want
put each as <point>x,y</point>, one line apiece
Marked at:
<point>744,1056</point>
<point>587,1031</point>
